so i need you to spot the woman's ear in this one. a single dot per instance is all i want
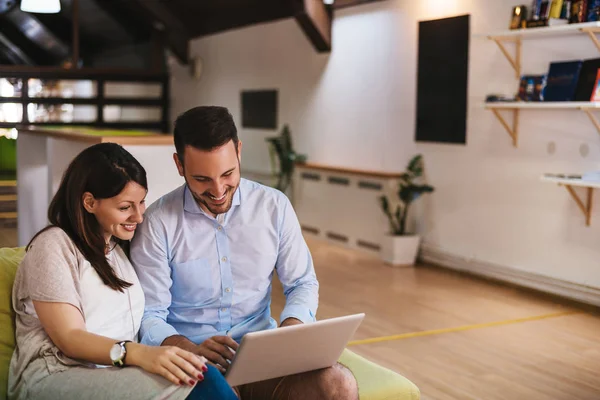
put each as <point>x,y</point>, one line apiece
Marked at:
<point>89,202</point>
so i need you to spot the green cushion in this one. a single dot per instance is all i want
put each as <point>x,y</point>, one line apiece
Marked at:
<point>376,382</point>
<point>9,261</point>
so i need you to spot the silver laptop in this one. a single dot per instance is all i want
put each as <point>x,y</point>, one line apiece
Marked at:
<point>290,350</point>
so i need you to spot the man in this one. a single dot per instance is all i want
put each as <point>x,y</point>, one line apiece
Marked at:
<point>206,254</point>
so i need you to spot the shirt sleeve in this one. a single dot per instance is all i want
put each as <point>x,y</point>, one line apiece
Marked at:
<point>49,271</point>
<point>150,259</point>
<point>295,268</point>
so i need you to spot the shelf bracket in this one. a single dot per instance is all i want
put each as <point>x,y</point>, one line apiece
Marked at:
<point>516,60</point>
<point>592,34</point>
<point>512,131</point>
<point>585,208</point>
<point>592,118</point>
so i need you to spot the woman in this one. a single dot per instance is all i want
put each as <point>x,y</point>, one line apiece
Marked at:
<point>79,304</point>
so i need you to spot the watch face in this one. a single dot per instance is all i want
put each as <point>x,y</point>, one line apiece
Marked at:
<point>116,352</point>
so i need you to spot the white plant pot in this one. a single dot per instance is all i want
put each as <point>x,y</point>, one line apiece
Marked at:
<point>400,250</point>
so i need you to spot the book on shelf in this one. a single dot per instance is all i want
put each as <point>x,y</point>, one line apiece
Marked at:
<point>556,7</point>
<point>593,10</point>
<point>563,176</point>
<point>587,79</point>
<point>548,13</point>
<point>590,176</point>
<point>565,10</point>
<point>562,79</point>
<point>578,11</point>
<point>596,92</point>
<point>531,88</point>
<point>546,22</point>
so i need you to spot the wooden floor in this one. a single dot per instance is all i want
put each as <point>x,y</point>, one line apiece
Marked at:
<point>556,356</point>
<point>8,237</point>
<point>454,336</point>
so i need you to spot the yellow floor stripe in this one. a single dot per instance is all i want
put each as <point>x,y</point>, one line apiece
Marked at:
<point>461,328</point>
<point>8,197</point>
<point>8,183</point>
<point>7,215</point>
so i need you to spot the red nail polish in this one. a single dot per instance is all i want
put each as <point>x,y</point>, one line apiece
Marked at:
<point>192,382</point>
<point>200,378</point>
<point>204,368</point>
<point>181,382</point>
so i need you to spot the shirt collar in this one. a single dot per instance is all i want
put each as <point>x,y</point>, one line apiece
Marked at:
<point>191,205</point>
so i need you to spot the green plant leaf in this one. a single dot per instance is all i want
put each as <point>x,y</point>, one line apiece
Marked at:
<point>384,204</point>
<point>415,166</point>
<point>399,228</point>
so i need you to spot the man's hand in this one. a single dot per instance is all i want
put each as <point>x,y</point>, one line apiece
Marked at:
<point>219,350</point>
<point>289,322</point>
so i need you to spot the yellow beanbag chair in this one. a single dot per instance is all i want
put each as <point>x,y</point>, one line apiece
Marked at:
<point>9,261</point>
<point>376,382</point>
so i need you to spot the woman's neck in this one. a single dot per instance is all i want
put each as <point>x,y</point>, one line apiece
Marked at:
<point>108,245</point>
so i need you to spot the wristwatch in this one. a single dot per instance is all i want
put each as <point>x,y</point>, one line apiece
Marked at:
<point>118,352</point>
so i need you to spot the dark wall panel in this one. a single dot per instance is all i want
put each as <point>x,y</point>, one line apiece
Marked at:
<point>259,109</point>
<point>442,74</point>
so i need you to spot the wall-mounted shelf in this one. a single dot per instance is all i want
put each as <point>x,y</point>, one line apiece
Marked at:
<point>516,106</point>
<point>576,181</point>
<point>516,36</point>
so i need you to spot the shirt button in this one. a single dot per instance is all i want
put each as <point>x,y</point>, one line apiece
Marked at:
<point>228,290</point>
<point>224,259</point>
<point>223,309</point>
<point>220,228</point>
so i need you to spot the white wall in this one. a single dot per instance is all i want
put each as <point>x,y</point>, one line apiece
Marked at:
<point>355,108</point>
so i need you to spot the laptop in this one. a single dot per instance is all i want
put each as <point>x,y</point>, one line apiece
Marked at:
<point>291,350</point>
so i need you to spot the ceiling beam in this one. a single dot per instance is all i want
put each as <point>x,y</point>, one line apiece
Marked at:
<point>159,16</point>
<point>351,3</point>
<point>315,18</point>
<point>12,52</point>
<point>33,38</point>
<point>136,26</point>
<point>238,17</point>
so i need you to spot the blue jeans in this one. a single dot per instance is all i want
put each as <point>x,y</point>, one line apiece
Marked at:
<point>213,387</point>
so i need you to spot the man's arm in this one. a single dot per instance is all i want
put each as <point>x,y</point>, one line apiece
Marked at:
<point>295,270</point>
<point>149,257</point>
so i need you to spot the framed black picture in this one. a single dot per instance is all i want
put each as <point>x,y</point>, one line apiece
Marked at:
<point>259,109</point>
<point>442,80</point>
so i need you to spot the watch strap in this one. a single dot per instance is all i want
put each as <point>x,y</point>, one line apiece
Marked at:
<point>121,362</point>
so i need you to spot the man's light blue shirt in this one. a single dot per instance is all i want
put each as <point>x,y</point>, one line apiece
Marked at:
<point>204,276</point>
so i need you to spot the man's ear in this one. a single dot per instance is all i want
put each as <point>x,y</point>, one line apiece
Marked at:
<point>178,164</point>
<point>89,202</point>
<point>239,151</point>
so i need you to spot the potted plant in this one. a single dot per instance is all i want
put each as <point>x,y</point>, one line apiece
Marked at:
<point>400,247</point>
<point>282,148</point>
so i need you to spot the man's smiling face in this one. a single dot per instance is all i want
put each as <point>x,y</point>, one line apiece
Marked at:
<point>212,176</point>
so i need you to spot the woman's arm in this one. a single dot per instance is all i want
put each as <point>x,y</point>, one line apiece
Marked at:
<point>65,325</point>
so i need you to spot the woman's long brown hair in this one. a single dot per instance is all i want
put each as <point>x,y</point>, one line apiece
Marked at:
<point>102,170</point>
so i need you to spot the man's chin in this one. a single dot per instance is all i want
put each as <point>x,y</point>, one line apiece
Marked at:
<point>218,209</point>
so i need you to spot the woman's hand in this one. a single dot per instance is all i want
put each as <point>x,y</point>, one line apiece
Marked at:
<point>177,365</point>
<point>65,325</point>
